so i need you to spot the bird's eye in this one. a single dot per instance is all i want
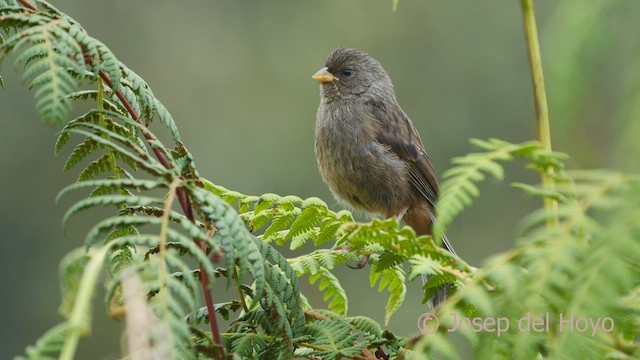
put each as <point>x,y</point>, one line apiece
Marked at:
<point>347,72</point>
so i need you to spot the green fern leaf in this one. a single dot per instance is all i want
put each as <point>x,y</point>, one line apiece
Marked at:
<point>44,50</point>
<point>458,188</point>
<point>116,222</point>
<point>388,260</point>
<point>49,345</point>
<point>304,224</point>
<point>150,165</point>
<point>322,258</point>
<point>393,280</point>
<point>165,119</point>
<point>334,339</point>
<point>64,135</point>
<point>327,231</point>
<point>247,345</point>
<point>280,222</point>
<point>80,152</point>
<point>101,165</point>
<point>116,183</point>
<point>116,200</point>
<point>293,302</point>
<point>332,290</point>
<point>367,325</point>
<point>238,244</point>
<point>86,95</point>
<point>71,271</point>
<point>120,258</point>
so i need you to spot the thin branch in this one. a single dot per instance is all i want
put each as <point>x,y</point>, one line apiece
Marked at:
<point>185,204</point>
<point>28,5</point>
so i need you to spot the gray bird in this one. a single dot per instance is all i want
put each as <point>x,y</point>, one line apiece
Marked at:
<point>368,151</point>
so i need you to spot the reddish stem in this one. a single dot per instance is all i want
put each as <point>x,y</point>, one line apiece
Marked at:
<point>185,203</point>
<point>29,5</point>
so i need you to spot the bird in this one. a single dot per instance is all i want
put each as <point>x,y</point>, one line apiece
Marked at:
<point>368,150</point>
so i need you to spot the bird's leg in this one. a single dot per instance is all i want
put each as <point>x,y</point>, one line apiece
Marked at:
<point>361,264</point>
<point>401,213</point>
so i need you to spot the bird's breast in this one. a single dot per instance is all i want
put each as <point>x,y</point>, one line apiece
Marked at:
<point>360,171</point>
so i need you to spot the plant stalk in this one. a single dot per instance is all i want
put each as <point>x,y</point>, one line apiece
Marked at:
<point>540,99</point>
<point>82,304</point>
<point>185,204</point>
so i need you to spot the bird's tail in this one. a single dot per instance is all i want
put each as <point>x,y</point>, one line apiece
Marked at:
<point>441,295</point>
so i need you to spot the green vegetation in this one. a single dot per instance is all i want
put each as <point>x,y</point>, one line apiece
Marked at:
<point>577,256</point>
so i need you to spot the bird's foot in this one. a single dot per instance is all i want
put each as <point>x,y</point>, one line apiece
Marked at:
<point>361,264</point>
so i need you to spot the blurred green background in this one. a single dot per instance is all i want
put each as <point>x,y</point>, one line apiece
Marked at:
<point>236,76</point>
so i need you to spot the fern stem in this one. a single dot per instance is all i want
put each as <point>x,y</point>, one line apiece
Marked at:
<point>28,5</point>
<point>540,99</point>
<point>103,122</point>
<point>81,307</point>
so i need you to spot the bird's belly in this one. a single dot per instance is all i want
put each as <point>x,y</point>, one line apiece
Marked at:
<point>365,176</point>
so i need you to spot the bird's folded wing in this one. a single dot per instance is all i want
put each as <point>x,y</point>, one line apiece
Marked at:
<point>398,133</point>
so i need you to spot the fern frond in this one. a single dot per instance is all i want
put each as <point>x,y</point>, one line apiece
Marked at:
<point>116,183</point>
<point>106,200</point>
<point>121,257</point>
<point>278,230</point>
<point>103,58</point>
<point>49,345</point>
<point>166,119</point>
<point>292,287</point>
<point>323,258</point>
<point>332,290</point>
<point>115,222</point>
<point>439,275</point>
<point>248,345</point>
<point>96,167</point>
<point>388,260</point>
<point>168,299</point>
<point>237,242</point>
<point>393,280</point>
<point>222,308</point>
<point>44,48</point>
<point>308,219</point>
<point>580,267</point>
<point>80,152</point>
<point>366,325</point>
<point>86,95</point>
<point>459,186</point>
<point>146,163</point>
<point>71,270</point>
<point>334,339</point>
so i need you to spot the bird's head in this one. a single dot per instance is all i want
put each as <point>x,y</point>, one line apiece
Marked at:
<point>352,73</point>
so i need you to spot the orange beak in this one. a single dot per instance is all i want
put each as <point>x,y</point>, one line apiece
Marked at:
<point>324,76</point>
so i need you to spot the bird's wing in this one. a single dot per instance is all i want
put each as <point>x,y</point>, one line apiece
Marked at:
<point>395,130</point>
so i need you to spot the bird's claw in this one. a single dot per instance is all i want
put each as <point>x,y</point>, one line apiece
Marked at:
<point>361,264</point>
